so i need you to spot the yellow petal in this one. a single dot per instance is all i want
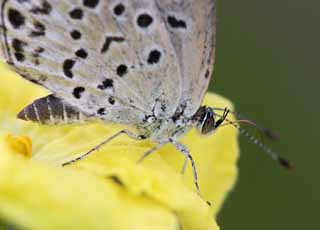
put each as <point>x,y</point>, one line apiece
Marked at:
<point>155,183</point>
<point>37,196</point>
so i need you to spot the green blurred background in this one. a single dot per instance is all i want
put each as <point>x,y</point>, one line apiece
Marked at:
<point>268,65</point>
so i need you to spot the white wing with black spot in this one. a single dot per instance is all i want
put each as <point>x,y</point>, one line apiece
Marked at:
<point>110,58</point>
<point>192,26</point>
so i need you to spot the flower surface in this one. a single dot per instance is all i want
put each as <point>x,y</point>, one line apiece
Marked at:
<point>108,189</point>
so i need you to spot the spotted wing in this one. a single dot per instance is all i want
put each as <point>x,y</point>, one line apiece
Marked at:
<point>111,59</point>
<point>191,24</point>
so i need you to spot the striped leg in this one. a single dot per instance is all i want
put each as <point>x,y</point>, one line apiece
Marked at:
<point>187,154</point>
<point>128,133</point>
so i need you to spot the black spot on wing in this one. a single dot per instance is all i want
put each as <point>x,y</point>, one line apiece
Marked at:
<point>36,54</point>
<point>76,13</point>
<point>20,57</point>
<point>207,74</point>
<point>111,100</point>
<point>119,9</point>
<point>67,67</point>
<point>154,57</point>
<point>39,29</point>
<point>82,53</point>
<point>90,3</point>
<point>75,34</point>
<point>45,8</point>
<point>18,47</point>
<point>101,111</point>
<point>109,40</point>
<point>39,50</point>
<point>122,70</point>
<point>16,18</point>
<point>163,107</point>
<point>77,92</point>
<point>176,23</point>
<point>144,20</point>
<point>107,83</point>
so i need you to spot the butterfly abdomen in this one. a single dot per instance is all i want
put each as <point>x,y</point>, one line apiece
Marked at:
<point>50,110</point>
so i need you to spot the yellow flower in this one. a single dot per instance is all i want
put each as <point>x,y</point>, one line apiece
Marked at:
<point>108,189</point>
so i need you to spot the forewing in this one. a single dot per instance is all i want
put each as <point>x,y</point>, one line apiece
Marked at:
<point>111,59</point>
<point>192,25</point>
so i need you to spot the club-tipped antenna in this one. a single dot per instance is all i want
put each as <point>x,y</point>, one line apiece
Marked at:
<point>282,161</point>
<point>265,131</point>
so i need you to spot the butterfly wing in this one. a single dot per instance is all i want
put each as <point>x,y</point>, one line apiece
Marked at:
<point>191,24</point>
<point>111,59</point>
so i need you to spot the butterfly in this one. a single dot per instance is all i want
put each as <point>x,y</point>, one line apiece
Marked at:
<point>144,63</point>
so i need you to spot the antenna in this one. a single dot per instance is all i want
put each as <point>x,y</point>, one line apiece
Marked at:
<point>265,131</point>
<point>282,161</point>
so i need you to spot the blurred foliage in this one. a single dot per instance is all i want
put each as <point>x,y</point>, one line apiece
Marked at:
<point>267,64</point>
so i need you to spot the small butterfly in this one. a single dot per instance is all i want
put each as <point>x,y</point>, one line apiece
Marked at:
<point>145,63</point>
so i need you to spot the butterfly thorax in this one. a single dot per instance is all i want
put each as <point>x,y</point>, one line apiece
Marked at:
<point>160,128</point>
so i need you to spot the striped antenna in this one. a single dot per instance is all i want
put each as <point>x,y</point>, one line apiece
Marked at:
<point>265,131</point>
<point>282,161</point>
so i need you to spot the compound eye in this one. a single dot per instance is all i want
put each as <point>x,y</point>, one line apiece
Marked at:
<point>208,125</point>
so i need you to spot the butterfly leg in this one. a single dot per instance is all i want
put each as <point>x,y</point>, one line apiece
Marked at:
<point>152,150</point>
<point>184,166</point>
<point>158,147</point>
<point>188,156</point>
<point>128,133</point>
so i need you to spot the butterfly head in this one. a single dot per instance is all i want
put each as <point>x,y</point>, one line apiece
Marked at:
<point>206,120</point>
